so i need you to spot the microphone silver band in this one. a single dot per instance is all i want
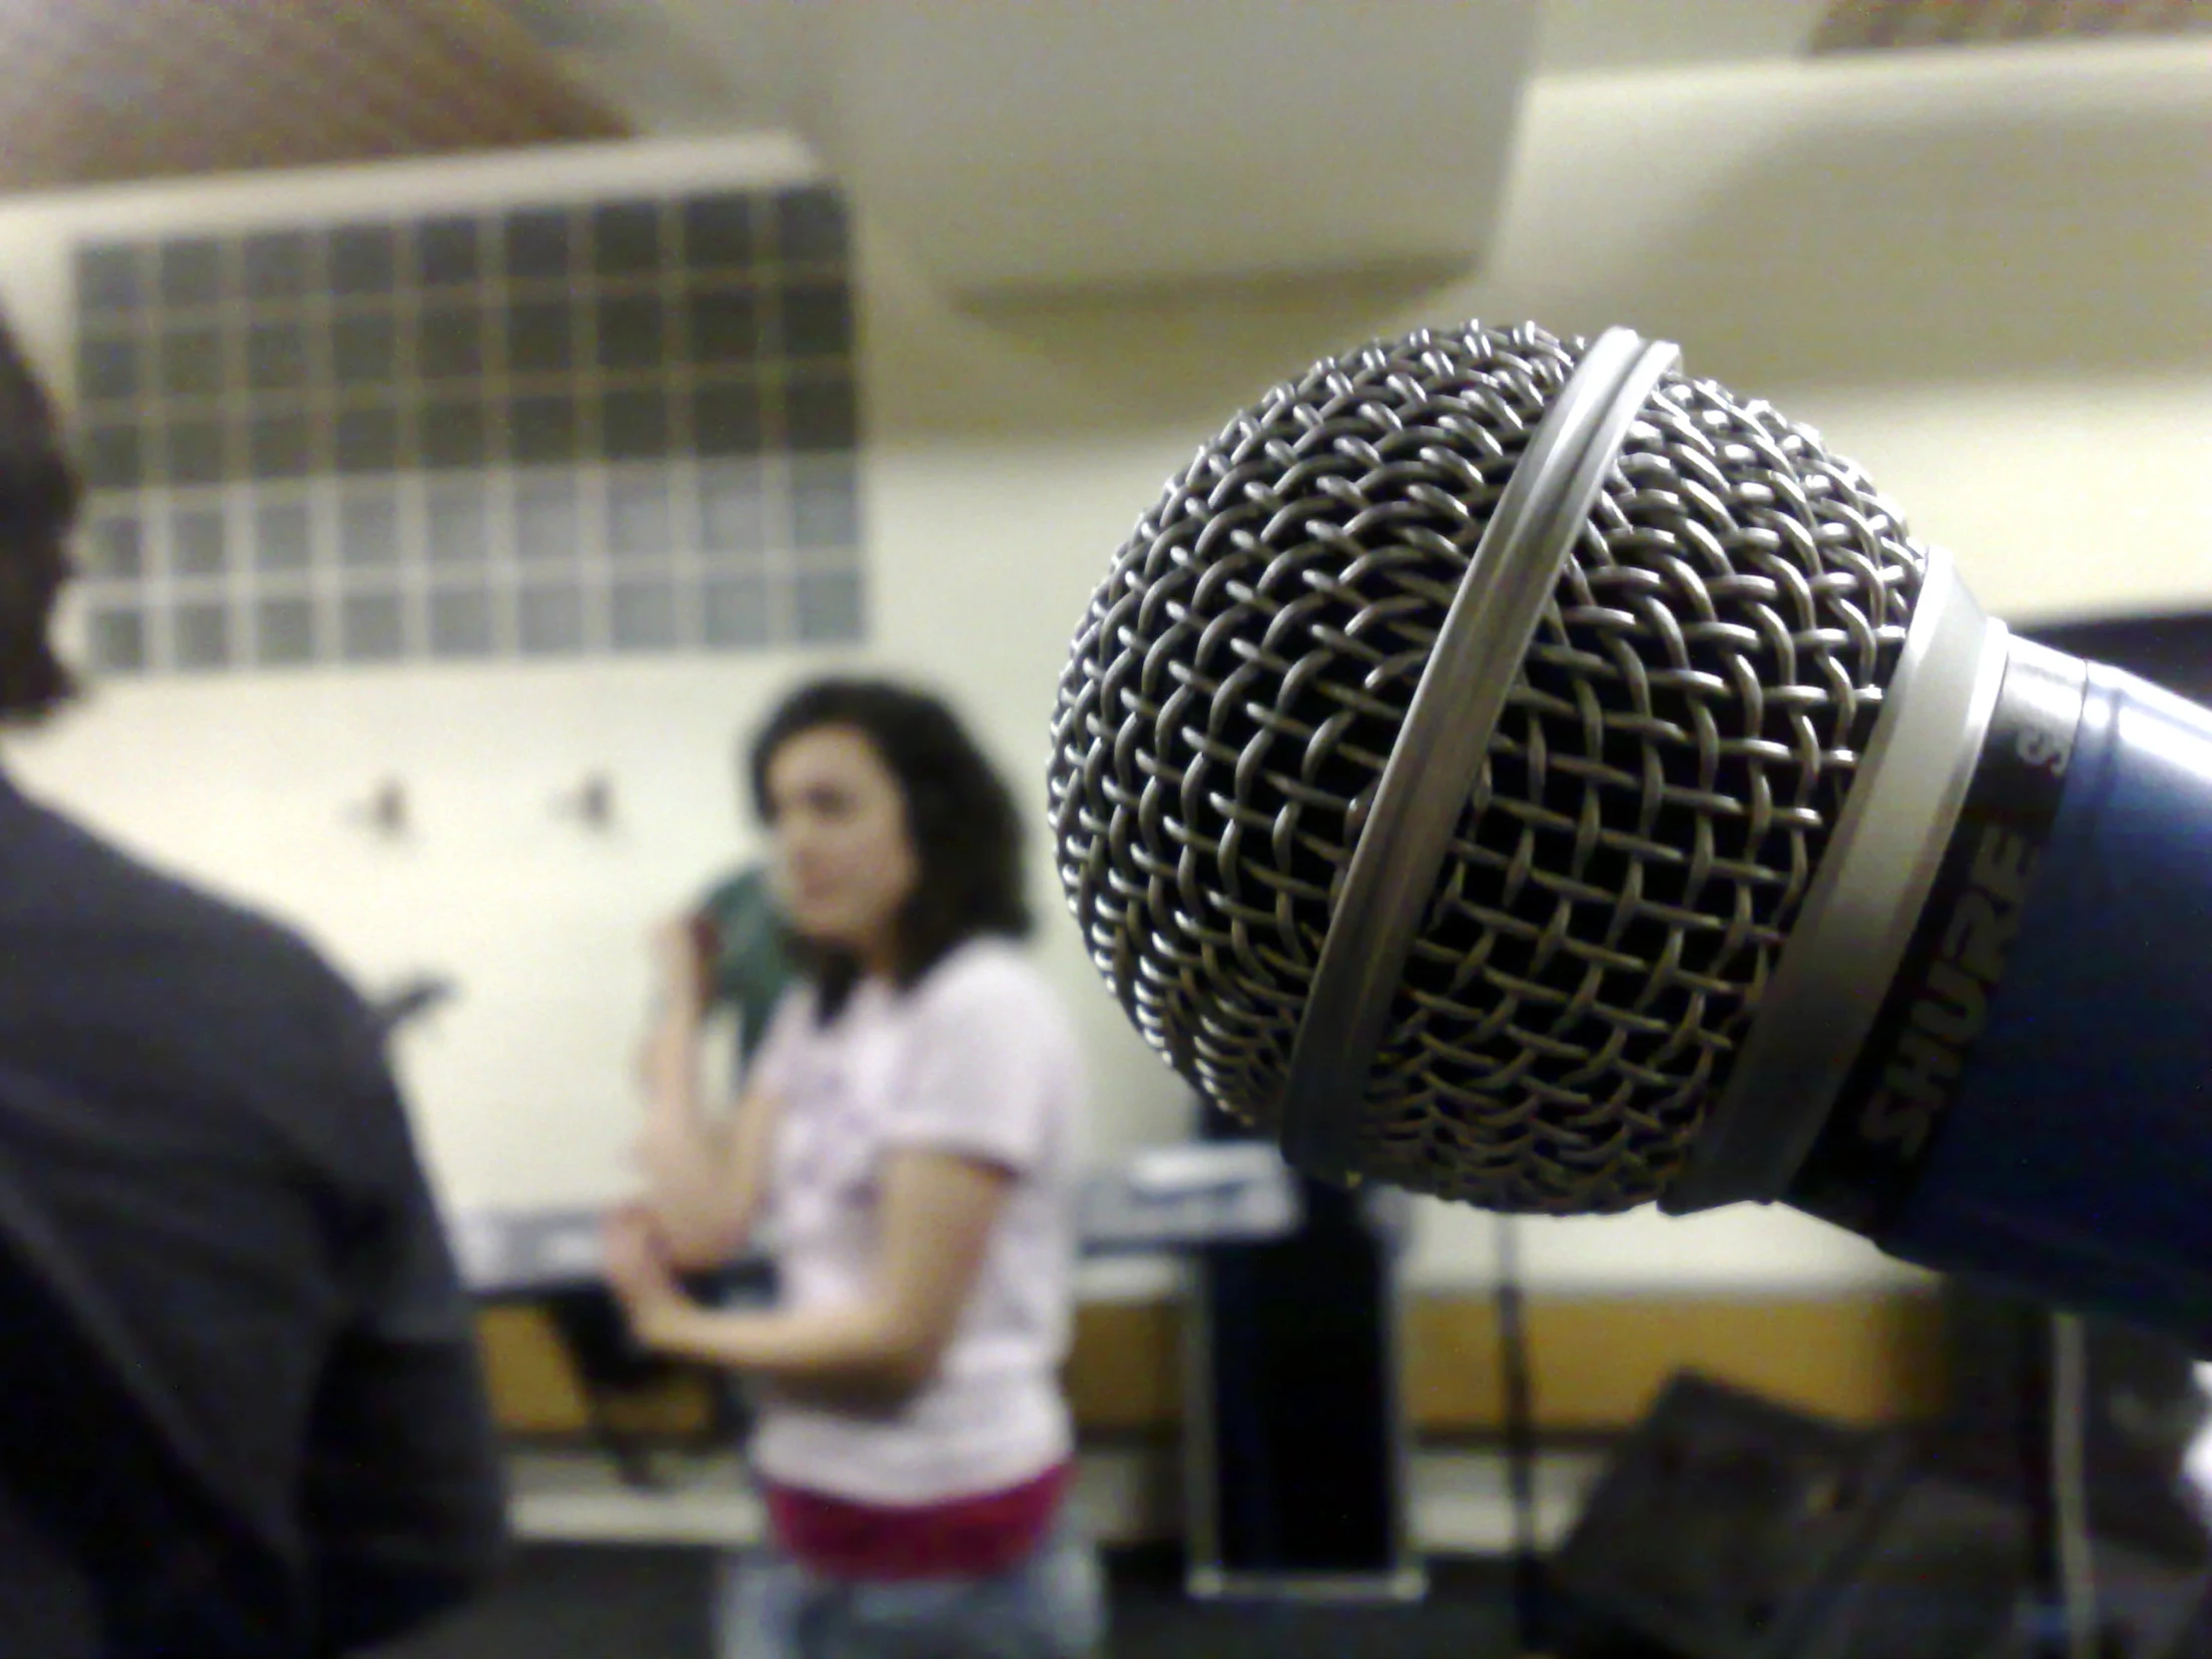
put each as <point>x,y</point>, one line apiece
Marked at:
<point>1869,892</point>
<point>1441,745</point>
<point>1894,1106</point>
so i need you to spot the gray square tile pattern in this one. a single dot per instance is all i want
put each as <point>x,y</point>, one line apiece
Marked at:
<point>538,432</point>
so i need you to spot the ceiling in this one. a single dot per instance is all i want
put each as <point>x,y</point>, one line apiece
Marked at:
<point>1908,25</point>
<point>218,86</point>
<point>684,65</point>
<point>700,65</point>
<point>1580,36</point>
<point>1586,36</point>
<point>104,91</point>
<point>1015,143</point>
<point>1023,145</point>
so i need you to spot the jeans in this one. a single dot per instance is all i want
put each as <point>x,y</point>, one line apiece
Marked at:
<point>1050,1606</point>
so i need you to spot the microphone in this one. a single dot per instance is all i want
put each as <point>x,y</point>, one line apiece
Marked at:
<point>1506,767</point>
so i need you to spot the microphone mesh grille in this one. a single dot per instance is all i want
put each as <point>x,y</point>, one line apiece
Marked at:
<point>1677,746</point>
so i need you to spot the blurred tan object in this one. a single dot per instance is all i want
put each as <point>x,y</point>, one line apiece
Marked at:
<point>1874,25</point>
<point>109,91</point>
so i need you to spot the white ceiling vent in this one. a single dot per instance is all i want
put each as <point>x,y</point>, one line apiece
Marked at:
<point>1019,144</point>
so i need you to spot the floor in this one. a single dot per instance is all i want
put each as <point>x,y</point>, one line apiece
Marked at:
<point>595,1602</point>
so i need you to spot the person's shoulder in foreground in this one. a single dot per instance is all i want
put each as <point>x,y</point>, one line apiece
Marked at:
<point>211,1201</point>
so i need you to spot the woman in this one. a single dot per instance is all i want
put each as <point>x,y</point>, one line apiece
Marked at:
<point>907,1138</point>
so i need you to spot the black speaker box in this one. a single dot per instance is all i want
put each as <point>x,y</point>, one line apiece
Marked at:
<point>1721,1523</point>
<point>1730,1527</point>
<point>1298,1478</point>
<point>1946,1574</point>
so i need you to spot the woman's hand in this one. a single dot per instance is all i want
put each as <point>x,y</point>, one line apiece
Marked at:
<point>643,1279</point>
<point>667,1060</point>
<point>683,967</point>
<point>938,1212</point>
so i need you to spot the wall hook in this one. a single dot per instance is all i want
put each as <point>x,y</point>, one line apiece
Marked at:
<point>591,802</point>
<point>384,814</point>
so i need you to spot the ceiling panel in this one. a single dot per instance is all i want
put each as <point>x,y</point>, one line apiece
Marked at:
<point>1874,25</point>
<point>1575,37</point>
<point>107,91</point>
<point>1020,147</point>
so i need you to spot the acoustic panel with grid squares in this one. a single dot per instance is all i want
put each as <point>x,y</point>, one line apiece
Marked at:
<point>532,430</point>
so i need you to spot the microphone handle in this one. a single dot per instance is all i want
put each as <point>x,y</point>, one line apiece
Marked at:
<point>2035,1105</point>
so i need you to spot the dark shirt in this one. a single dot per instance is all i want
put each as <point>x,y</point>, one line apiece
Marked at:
<point>245,1401</point>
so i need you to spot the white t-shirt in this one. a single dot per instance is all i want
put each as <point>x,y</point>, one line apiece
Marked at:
<point>977,1059</point>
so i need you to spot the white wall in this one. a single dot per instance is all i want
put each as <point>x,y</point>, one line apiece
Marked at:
<point>1982,275</point>
<point>521,1088</point>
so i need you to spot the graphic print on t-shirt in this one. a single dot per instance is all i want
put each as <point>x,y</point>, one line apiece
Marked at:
<point>977,1061</point>
<point>830,1148</point>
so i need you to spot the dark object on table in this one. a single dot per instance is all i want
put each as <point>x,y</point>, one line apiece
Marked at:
<point>609,1365</point>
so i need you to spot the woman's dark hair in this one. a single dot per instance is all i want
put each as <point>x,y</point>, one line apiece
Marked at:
<point>38,504</point>
<point>960,817</point>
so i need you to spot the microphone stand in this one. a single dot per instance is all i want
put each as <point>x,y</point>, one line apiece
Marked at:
<point>2060,1593</point>
<point>1529,1619</point>
<point>2076,1632</point>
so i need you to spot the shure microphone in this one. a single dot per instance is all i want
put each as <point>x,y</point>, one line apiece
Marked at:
<point>1506,767</point>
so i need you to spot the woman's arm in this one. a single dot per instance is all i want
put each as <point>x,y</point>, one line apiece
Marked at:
<point>936,1213</point>
<point>704,1179</point>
